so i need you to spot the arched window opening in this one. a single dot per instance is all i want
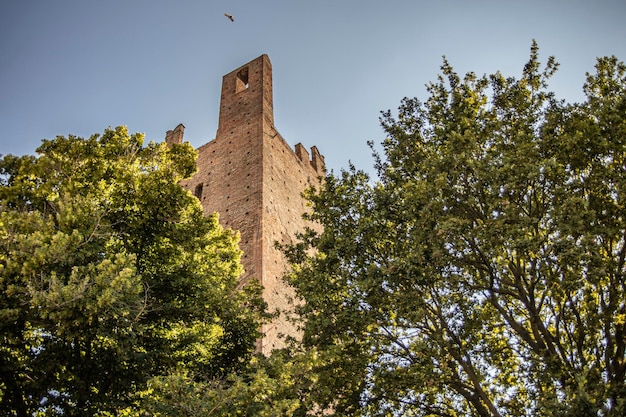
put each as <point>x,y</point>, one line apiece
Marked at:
<point>198,191</point>
<point>242,82</point>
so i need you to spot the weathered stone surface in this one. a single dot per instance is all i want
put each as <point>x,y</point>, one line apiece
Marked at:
<point>254,180</point>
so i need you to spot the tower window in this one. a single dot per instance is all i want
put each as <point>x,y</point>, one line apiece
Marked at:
<point>242,80</point>
<point>198,191</point>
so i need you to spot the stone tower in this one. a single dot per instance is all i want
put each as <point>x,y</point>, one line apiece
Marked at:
<point>253,179</point>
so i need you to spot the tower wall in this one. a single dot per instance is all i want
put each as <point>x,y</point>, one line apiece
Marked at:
<point>253,179</point>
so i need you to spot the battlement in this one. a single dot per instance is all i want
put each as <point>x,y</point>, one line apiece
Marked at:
<point>175,136</point>
<point>316,160</point>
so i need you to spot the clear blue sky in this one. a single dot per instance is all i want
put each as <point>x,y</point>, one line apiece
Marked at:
<point>80,66</point>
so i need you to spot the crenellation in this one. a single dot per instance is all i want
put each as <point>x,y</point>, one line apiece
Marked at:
<point>302,153</point>
<point>175,135</point>
<point>317,161</point>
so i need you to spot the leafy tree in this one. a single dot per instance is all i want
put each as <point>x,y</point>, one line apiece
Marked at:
<point>484,272</point>
<point>269,388</point>
<point>111,277</point>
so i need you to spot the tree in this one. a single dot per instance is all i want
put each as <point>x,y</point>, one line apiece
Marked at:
<point>112,277</point>
<point>268,388</point>
<point>484,272</point>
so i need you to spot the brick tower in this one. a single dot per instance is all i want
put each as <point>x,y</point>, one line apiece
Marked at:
<point>253,179</point>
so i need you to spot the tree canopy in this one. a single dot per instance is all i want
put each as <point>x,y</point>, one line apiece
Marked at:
<point>482,273</point>
<point>113,279</point>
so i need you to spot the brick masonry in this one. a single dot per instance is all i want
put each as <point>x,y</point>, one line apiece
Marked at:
<point>253,179</point>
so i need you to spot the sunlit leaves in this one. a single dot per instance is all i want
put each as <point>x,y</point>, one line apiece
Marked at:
<point>483,274</point>
<point>111,276</point>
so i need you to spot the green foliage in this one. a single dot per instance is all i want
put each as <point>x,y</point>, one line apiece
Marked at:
<point>484,273</point>
<point>112,278</point>
<point>255,393</point>
<point>270,387</point>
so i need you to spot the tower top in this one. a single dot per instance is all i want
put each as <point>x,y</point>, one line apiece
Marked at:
<point>247,95</point>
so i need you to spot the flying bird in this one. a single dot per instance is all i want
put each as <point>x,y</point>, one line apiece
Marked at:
<point>230,16</point>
